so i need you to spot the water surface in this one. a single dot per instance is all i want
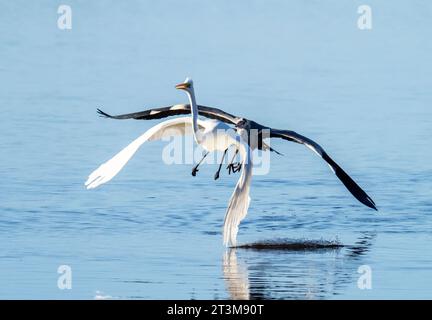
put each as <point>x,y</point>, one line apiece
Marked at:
<point>154,232</point>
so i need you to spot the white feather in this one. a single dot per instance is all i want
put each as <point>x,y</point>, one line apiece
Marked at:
<point>109,169</point>
<point>239,202</point>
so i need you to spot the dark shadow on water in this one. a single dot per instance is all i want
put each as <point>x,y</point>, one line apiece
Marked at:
<point>292,245</point>
<point>294,269</point>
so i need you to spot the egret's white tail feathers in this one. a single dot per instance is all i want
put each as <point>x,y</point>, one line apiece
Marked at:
<point>239,201</point>
<point>112,167</point>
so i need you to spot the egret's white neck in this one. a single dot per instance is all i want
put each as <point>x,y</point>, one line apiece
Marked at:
<point>194,112</point>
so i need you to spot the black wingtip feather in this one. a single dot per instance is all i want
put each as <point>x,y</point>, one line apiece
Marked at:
<point>103,114</point>
<point>277,152</point>
<point>350,184</point>
<point>373,205</point>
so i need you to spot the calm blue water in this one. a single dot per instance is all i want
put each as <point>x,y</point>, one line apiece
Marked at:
<point>155,231</point>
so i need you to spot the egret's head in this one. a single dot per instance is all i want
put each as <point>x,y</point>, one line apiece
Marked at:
<point>187,85</point>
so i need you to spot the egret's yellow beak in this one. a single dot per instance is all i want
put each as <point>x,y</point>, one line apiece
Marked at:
<point>183,86</point>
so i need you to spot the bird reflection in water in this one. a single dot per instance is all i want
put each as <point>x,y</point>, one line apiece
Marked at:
<point>236,276</point>
<point>293,269</point>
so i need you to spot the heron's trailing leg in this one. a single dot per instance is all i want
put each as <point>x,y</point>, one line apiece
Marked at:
<point>234,167</point>
<point>216,176</point>
<point>195,169</point>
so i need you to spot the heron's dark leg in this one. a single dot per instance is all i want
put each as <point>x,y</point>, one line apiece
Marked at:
<point>195,169</point>
<point>216,176</point>
<point>230,167</point>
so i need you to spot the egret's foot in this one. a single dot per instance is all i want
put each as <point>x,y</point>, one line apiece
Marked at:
<point>236,167</point>
<point>229,168</point>
<point>216,176</point>
<point>194,171</point>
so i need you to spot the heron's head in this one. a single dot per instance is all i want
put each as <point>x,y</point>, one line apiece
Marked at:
<point>242,124</point>
<point>187,85</point>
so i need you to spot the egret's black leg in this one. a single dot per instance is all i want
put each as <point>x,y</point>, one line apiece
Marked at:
<point>236,167</point>
<point>230,167</point>
<point>216,176</point>
<point>195,169</point>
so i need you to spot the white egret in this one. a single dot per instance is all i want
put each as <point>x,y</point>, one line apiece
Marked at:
<point>212,135</point>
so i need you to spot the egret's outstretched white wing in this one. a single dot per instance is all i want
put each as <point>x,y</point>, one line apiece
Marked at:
<point>109,169</point>
<point>239,202</point>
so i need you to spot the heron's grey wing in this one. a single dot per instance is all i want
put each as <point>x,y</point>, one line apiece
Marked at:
<point>109,169</point>
<point>174,110</point>
<point>349,183</point>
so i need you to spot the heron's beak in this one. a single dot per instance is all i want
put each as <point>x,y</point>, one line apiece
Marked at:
<point>183,86</point>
